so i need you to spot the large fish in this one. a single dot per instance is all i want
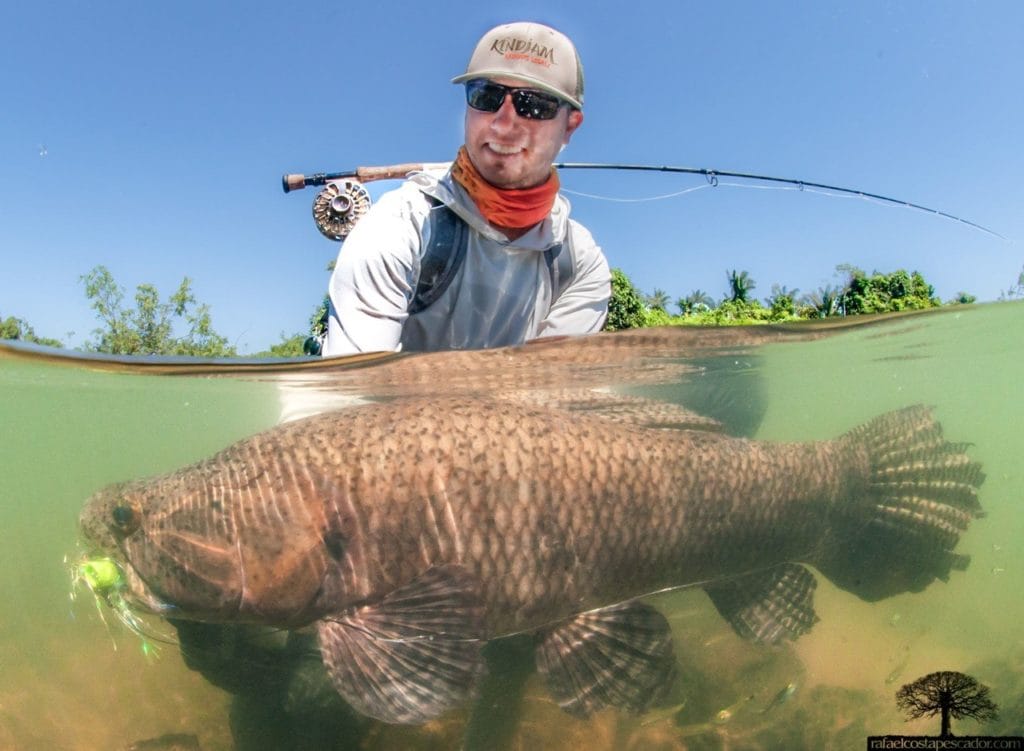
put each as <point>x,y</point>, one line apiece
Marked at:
<point>410,533</point>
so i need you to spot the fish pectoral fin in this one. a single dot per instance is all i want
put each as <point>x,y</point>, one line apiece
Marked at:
<point>768,606</point>
<point>617,656</point>
<point>412,656</point>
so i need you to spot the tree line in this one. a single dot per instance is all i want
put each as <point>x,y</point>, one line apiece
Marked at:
<point>860,293</point>
<point>181,325</point>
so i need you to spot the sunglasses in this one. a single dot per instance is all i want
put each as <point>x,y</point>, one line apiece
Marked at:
<point>532,104</point>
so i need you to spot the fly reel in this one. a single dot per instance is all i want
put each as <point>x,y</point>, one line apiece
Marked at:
<point>338,206</point>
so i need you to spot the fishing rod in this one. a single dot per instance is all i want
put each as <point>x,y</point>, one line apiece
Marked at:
<point>344,199</point>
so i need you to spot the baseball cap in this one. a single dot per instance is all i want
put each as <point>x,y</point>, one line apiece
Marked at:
<point>530,52</point>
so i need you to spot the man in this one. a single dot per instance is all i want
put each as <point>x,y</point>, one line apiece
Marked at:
<point>515,267</point>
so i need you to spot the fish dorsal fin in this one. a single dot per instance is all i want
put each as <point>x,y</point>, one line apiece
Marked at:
<point>412,656</point>
<point>768,606</point>
<point>618,656</point>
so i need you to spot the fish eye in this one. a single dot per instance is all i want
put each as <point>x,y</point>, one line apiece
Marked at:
<point>125,518</point>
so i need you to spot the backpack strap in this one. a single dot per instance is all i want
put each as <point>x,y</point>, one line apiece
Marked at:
<point>561,265</point>
<point>442,258</point>
<point>446,250</point>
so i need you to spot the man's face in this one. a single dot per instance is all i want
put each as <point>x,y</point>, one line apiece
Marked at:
<point>510,151</point>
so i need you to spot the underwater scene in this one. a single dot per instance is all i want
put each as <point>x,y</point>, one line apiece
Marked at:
<point>81,667</point>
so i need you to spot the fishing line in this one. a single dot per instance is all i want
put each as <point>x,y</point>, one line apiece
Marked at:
<point>712,176</point>
<point>745,186</point>
<point>635,200</point>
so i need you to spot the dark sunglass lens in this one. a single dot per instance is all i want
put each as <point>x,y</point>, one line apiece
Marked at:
<point>535,105</point>
<point>481,95</point>
<point>488,96</point>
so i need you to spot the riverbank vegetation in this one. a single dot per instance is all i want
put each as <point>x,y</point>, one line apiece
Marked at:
<point>180,325</point>
<point>861,293</point>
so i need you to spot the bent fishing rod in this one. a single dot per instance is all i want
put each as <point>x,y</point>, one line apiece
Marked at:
<point>344,200</point>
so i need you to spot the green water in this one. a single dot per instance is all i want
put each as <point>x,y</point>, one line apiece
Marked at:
<point>69,429</point>
<point>970,366</point>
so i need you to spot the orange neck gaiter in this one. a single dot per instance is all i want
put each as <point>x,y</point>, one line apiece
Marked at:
<point>515,209</point>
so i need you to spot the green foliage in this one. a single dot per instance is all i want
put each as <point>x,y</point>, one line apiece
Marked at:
<point>1016,291</point>
<point>657,317</point>
<point>782,302</point>
<point>740,285</point>
<point>289,346</point>
<point>886,293</point>
<point>697,309</point>
<point>17,329</point>
<point>148,329</point>
<point>822,303</point>
<point>782,307</point>
<point>737,312</point>
<point>658,300</point>
<point>318,320</point>
<point>625,308</point>
<point>962,298</point>
<point>878,293</point>
<point>298,345</point>
<point>697,301</point>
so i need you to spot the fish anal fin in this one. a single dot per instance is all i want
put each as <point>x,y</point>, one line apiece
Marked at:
<point>412,656</point>
<point>768,606</point>
<point>618,656</point>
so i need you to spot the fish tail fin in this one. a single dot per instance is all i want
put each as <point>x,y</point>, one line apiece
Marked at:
<point>920,495</point>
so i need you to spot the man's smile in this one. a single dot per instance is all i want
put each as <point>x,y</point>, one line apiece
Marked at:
<point>504,149</point>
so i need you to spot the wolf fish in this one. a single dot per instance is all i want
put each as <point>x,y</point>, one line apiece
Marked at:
<point>409,533</point>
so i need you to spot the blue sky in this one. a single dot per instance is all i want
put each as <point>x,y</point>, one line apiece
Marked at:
<point>151,137</point>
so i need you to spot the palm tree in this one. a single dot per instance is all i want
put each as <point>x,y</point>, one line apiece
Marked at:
<point>695,302</point>
<point>825,301</point>
<point>740,286</point>
<point>780,291</point>
<point>658,299</point>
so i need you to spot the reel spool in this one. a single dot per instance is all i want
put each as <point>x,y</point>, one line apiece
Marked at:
<point>338,206</point>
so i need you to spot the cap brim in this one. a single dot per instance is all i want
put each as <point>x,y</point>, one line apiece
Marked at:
<point>534,82</point>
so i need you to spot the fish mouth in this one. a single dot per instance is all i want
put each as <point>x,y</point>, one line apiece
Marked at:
<point>125,587</point>
<point>140,596</point>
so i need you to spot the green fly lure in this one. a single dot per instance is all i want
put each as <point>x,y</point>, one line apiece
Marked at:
<point>105,580</point>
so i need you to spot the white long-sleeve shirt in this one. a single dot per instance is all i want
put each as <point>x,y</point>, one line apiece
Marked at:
<point>501,294</point>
